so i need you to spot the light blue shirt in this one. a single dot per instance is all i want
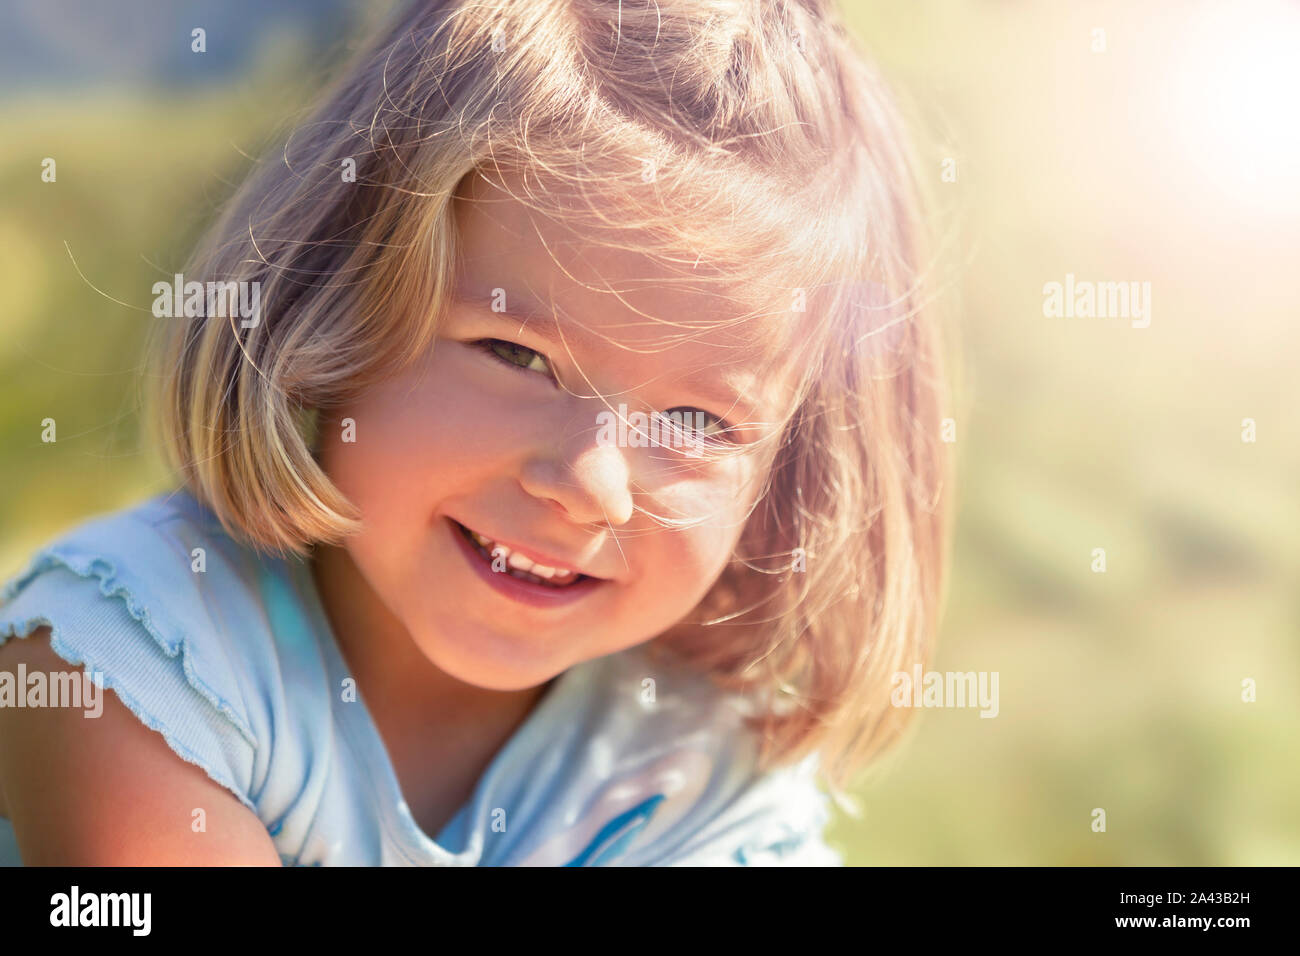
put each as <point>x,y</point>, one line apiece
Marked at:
<point>623,761</point>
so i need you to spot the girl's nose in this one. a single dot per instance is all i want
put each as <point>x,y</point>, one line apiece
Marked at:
<point>587,480</point>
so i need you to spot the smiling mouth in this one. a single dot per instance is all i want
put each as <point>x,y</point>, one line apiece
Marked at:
<point>518,566</point>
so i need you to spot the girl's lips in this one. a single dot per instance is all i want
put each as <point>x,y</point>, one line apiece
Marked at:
<point>506,584</point>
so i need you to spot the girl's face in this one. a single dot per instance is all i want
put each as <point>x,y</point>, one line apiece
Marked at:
<point>478,438</point>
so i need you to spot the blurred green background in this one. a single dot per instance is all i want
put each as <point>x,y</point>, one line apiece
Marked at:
<point>1170,156</point>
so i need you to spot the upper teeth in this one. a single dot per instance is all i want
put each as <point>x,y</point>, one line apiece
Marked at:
<point>519,562</point>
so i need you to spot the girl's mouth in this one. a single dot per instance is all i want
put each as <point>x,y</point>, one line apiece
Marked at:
<point>517,576</point>
<point>517,565</point>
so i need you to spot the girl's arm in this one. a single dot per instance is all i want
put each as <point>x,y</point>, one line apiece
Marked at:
<point>107,790</point>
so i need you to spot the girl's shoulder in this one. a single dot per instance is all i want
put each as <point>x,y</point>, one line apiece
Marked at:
<point>161,559</point>
<point>162,606</point>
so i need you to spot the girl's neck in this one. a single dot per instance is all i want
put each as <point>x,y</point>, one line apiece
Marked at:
<point>441,733</point>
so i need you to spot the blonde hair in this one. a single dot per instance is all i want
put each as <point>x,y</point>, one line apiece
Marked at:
<point>779,170</point>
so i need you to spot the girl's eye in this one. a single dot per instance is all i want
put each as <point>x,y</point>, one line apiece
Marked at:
<point>518,356</point>
<point>692,421</point>
<point>696,421</point>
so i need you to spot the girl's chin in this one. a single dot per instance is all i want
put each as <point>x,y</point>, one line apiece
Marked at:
<point>491,660</point>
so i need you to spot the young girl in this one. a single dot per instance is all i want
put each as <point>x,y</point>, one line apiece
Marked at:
<point>569,498</point>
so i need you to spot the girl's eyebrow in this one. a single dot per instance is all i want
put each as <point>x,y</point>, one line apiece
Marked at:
<point>734,390</point>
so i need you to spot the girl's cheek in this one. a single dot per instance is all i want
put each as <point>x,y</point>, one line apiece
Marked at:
<point>711,549</point>
<point>408,439</point>
<point>715,513</point>
<point>715,496</point>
